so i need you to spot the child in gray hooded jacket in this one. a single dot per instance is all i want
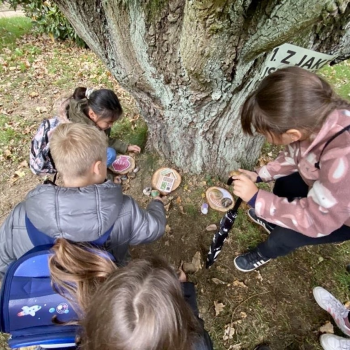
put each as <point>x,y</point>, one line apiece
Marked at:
<point>85,209</point>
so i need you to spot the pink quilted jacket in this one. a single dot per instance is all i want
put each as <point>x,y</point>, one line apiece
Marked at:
<point>327,205</point>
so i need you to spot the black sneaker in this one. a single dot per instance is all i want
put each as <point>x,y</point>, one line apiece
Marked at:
<point>266,225</point>
<point>250,261</point>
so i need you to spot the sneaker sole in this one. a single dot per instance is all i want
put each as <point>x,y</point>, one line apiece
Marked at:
<point>238,268</point>
<point>252,219</point>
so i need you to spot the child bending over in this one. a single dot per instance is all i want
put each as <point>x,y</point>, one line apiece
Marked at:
<point>142,306</point>
<point>85,209</point>
<point>310,203</point>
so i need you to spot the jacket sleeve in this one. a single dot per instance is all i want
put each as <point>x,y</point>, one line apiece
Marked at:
<point>118,145</point>
<point>7,254</point>
<point>327,205</point>
<point>189,292</point>
<point>283,165</point>
<point>148,225</point>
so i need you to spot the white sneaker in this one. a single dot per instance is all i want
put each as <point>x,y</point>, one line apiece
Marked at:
<point>333,342</point>
<point>332,305</point>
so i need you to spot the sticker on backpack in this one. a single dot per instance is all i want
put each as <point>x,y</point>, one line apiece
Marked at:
<point>26,310</point>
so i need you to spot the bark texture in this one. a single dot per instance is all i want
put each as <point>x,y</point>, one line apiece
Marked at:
<point>190,64</point>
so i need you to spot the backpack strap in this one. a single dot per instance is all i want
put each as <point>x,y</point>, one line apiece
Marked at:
<point>317,164</point>
<point>39,238</point>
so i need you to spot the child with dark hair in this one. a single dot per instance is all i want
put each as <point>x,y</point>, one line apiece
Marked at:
<point>310,203</point>
<point>143,306</point>
<point>100,108</point>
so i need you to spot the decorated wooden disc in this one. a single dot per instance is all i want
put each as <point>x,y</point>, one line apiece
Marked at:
<point>123,164</point>
<point>219,199</point>
<point>166,180</point>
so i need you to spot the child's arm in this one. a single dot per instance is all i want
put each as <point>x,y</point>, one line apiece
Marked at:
<point>147,225</point>
<point>327,206</point>
<point>118,145</point>
<point>7,254</point>
<point>283,165</point>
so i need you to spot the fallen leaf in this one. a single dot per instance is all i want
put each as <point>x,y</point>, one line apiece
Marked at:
<point>167,207</point>
<point>33,94</point>
<point>41,109</point>
<point>20,173</point>
<point>235,347</point>
<point>23,164</point>
<point>189,267</point>
<point>243,314</point>
<point>237,283</point>
<point>167,229</point>
<point>258,276</point>
<point>219,307</point>
<point>197,261</point>
<point>229,332</point>
<point>217,281</point>
<point>211,227</point>
<point>327,328</point>
<point>7,153</point>
<point>181,209</point>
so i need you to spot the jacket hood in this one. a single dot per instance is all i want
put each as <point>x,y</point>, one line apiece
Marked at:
<point>78,214</point>
<point>76,114</point>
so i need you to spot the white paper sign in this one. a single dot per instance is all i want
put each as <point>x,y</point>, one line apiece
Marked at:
<point>291,55</point>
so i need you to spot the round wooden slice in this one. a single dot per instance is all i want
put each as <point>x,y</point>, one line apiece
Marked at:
<point>214,197</point>
<point>166,180</point>
<point>123,164</point>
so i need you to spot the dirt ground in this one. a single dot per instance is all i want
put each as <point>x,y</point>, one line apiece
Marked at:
<point>273,305</point>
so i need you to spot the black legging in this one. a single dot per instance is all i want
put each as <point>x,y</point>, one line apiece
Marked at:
<point>283,241</point>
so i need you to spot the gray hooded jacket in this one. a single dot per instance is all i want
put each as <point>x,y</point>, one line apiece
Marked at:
<point>81,214</point>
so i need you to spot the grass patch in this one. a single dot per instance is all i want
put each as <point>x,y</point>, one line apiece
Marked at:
<point>13,28</point>
<point>133,132</point>
<point>246,234</point>
<point>339,77</point>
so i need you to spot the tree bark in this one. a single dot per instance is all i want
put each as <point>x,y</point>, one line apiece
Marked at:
<point>190,64</point>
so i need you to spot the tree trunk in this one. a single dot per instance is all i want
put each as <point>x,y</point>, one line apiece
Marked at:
<point>190,64</point>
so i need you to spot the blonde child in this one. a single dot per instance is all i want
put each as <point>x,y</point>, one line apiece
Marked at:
<point>87,208</point>
<point>310,203</point>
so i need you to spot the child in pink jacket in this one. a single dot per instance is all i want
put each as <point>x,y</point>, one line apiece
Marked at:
<point>310,203</point>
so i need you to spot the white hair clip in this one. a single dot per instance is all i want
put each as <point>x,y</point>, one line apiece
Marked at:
<point>88,92</point>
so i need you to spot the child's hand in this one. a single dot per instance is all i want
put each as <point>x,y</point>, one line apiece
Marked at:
<point>134,148</point>
<point>181,274</point>
<point>251,174</point>
<point>244,187</point>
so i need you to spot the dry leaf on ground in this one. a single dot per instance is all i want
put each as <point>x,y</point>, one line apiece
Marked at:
<point>197,261</point>
<point>327,328</point>
<point>211,227</point>
<point>243,314</point>
<point>237,283</point>
<point>219,307</point>
<point>217,281</point>
<point>229,332</point>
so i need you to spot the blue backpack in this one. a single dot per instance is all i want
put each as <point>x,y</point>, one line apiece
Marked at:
<point>28,303</point>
